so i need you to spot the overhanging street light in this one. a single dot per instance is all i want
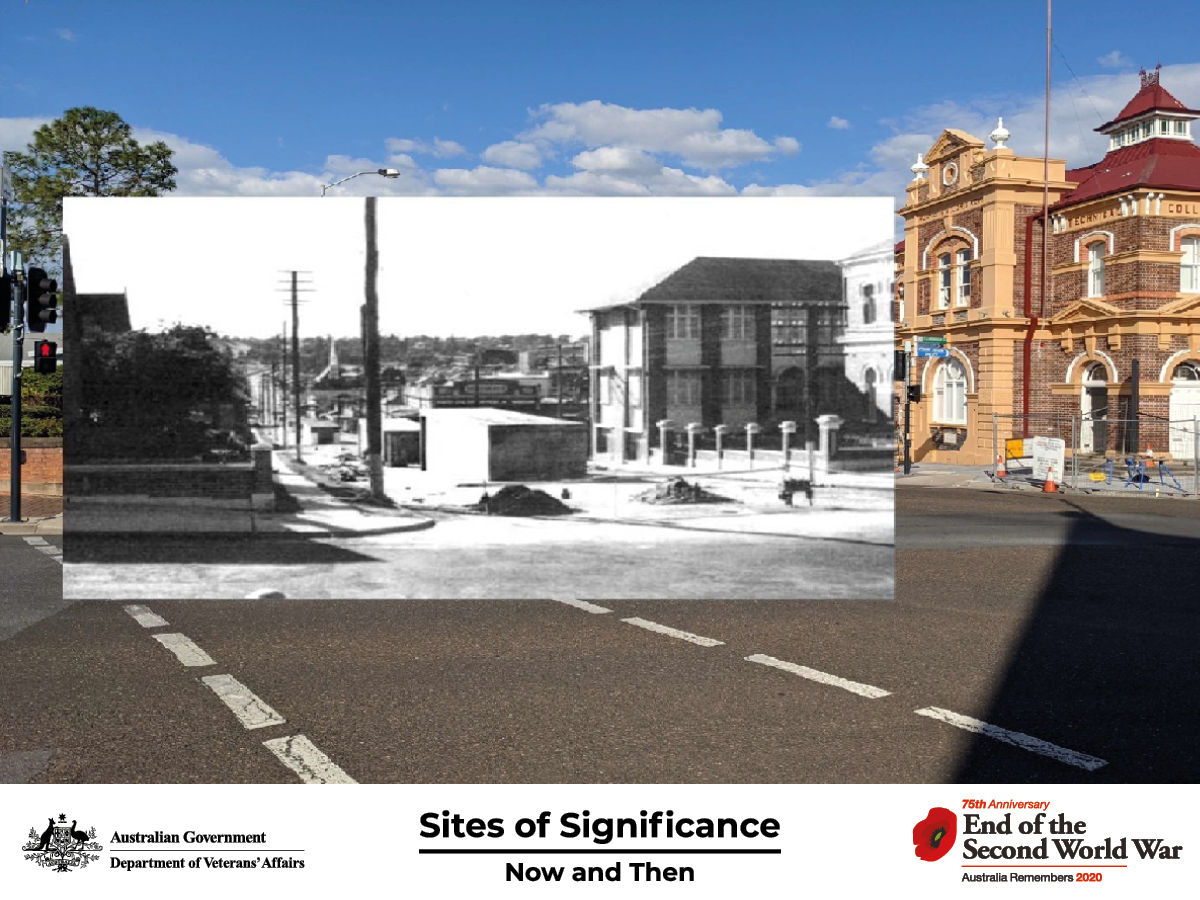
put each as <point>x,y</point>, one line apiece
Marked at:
<point>386,173</point>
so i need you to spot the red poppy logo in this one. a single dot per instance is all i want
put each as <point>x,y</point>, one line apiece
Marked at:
<point>934,835</point>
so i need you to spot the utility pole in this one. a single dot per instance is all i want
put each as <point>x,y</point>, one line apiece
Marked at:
<point>283,362</point>
<point>371,359</point>
<point>560,384</point>
<point>296,359</point>
<point>907,419</point>
<point>16,316</point>
<point>296,287</point>
<point>14,431</point>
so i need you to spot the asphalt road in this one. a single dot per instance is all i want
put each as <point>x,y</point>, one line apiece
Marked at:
<point>31,586</point>
<point>1073,656</point>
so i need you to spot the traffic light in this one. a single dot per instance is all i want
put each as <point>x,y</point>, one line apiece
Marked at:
<point>42,300</point>
<point>5,301</point>
<point>45,357</point>
<point>914,393</point>
<point>899,365</point>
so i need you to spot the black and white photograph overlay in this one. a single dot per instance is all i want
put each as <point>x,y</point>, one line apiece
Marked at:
<point>575,399</point>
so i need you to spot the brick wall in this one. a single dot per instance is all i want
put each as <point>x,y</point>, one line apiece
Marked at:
<point>42,472</point>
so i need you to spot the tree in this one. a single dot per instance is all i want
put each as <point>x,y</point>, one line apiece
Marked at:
<point>173,395</point>
<point>87,153</point>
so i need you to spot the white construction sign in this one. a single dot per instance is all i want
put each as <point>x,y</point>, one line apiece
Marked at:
<point>1046,452</point>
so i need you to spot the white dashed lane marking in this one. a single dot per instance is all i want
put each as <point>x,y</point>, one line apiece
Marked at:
<point>145,617</point>
<point>855,687</point>
<point>673,632</point>
<point>245,704</point>
<point>1016,738</point>
<point>45,546</point>
<point>585,606</point>
<point>976,726</point>
<point>301,756</point>
<point>189,654</point>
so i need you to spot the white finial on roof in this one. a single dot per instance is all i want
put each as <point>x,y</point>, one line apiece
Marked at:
<point>999,135</point>
<point>919,169</point>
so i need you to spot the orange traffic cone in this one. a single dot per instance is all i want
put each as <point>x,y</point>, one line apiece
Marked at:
<point>1048,486</point>
<point>1001,472</point>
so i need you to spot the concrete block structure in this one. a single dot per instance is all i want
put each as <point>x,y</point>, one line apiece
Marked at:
<point>1121,291</point>
<point>486,445</point>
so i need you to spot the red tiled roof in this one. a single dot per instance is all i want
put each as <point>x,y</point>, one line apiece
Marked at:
<point>899,246</point>
<point>1151,97</point>
<point>1154,163</point>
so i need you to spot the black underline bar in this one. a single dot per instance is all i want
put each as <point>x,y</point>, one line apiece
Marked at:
<point>590,850</point>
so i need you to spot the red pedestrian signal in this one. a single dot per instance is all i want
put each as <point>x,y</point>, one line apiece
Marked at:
<point>45,357</point>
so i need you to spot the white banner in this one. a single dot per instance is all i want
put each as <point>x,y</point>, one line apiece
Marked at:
<point>595,840</point>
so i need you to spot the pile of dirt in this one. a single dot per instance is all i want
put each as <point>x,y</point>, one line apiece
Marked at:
<point>678,491</point>
<point>519,500</point>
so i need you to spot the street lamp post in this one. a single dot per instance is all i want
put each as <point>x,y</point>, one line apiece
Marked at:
<point>386,173</point>
<point>370,328</point>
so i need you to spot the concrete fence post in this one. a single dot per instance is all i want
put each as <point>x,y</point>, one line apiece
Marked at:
<point>664,436</point>
<point>719,431</point>
<point>788,429</point>
<point>751,430</point>
<point>693,428</point>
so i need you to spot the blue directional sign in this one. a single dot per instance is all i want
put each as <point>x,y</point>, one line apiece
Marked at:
<point>932,350</point>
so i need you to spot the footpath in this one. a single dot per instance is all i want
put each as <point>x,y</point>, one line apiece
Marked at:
<point>39,515</point>
<point>940,475</point>
<point>311,504</point>
<point>304,510</point>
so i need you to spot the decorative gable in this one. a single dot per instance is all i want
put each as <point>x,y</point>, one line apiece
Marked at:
<point>1084,310</point>
<point>1189,305</point>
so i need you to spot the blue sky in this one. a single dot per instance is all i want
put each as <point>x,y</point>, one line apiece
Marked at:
<point>664,98</point>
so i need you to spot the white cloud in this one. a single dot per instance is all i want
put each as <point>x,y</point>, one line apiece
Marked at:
<point>513,155</point>
<point>447,148</point>
<point>438,148</point>
<point>485,180</point>
<point>787,145</point>
<point>693,135</point>
<point>1115,60</point>
<point>617,159</point>
<point>67,35</point>
<point>837,123</point>
<point>17,133</point>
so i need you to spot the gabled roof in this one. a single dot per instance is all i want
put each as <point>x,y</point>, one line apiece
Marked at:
<point>739,280</point>
<point>1158,163</point>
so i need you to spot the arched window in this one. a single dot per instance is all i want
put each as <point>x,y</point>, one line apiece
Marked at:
<point>868,303</point>
<point>944,274</point>
<point>1096,269</point>
<point>1186,371</point>
<point>950,393</point>
<point>1189,269</point>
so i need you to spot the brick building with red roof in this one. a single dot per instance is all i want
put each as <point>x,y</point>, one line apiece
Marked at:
<point>1121,291</point>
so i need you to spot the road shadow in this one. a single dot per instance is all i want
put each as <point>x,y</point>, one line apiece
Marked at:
<point>1105,665</point>
<point>230,549</point>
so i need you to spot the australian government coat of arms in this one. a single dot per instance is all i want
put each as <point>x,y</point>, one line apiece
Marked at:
<point>62,847</point>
